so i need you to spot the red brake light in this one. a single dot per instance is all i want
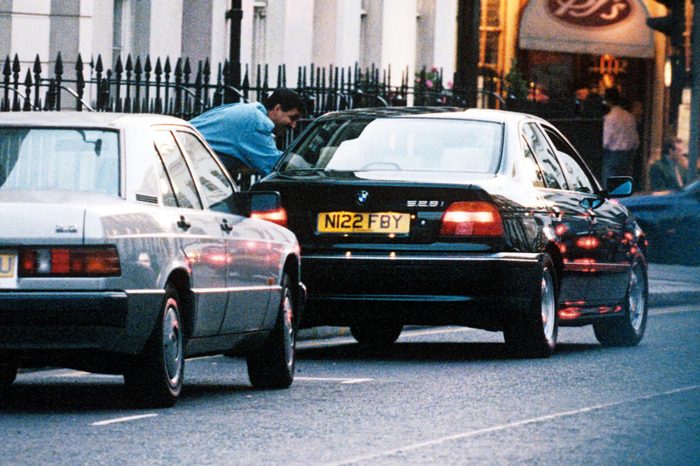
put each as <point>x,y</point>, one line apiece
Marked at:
<point>588,242</point>
<point>278,216</point>
<point>82,261</point>
<point>472,218</point>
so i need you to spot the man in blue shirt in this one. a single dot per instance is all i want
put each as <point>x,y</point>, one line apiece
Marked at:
<point>243,134</point>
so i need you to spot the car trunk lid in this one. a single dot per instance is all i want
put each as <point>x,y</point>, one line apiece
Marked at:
<point>344,208</point>
<point>40,219</point>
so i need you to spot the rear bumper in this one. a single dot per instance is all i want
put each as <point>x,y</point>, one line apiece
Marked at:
<point>478,290</point>
<point>114,321</point>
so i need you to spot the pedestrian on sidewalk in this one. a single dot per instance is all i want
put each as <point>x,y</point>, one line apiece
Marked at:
<point>669,171</point>
<point>620,138</point>
<point>243,134</point>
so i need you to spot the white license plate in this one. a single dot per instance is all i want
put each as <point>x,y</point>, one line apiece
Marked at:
<point>8,270</point>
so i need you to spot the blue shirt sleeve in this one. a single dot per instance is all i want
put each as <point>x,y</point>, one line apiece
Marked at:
<point>242,131</point>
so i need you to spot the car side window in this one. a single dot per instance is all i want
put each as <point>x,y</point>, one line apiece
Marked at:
<point>177,170</point>
<point>217,189</point>
<point>577,176</point>
<point>532,168</point>
<point>164,185</point>
<point>553,175</point>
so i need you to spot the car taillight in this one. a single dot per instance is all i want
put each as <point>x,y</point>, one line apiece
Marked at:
<point>80,261</point>
<point>471,218</point>
<point>278,216</point>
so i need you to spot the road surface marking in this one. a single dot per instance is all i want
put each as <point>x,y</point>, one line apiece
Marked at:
<point>420,333</point>
<point>324,342</point>
<point>72,373</point>
<point>406,333</point>
<point>511,425</point>
<point>123,419</point>
<point>673,310</point>
<point>343,380</point>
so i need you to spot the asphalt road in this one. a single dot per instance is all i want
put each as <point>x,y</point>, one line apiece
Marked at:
<point>441,396</point>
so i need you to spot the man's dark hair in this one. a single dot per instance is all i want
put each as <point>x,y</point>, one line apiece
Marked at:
<point>287,98</point>
<point>669,145</point>
<point>612,96</point>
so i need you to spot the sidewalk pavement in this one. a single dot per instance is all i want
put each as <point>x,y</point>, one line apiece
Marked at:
<point>669,285</point>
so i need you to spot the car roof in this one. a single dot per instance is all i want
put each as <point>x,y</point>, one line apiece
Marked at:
<point>498,116</point>
<point>73,118</point>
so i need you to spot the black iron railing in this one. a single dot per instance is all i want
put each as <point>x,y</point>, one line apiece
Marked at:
<point>178,88</point>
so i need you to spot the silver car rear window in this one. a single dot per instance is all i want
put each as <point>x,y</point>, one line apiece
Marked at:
<point>59,159</point>
<point>392,144</point>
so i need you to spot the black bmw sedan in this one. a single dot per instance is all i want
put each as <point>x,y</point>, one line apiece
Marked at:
<point>482,218</point>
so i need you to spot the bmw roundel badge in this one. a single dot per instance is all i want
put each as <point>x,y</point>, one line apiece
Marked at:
<point>361,197</point>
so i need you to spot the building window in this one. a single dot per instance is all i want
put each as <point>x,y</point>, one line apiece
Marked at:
<point>491,31</point>
<point>121,29</point>
<point>259,36</point>
<point>364,34</point>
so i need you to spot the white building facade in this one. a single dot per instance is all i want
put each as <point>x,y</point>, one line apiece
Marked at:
<point>341,33</point>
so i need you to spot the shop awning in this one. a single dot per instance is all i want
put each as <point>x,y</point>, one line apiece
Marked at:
<point>596,27</point>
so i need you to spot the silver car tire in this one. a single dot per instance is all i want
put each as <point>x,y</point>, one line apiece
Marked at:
<point>534,333</point>
<point>272,365</point>
<point>155,377</point>
<point>628,329</point>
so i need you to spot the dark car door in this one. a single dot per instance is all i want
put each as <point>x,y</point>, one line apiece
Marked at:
<point>251,268</point>
<point>570,220</point>
<point>605,248</point>
<point>201,237</point>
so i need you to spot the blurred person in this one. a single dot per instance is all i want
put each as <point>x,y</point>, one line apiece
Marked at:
<point>620,138</point>
<point>243,134</point>
<point>671,170</point>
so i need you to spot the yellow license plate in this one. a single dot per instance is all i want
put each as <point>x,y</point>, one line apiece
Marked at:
<point>363,222</point>
<point>8,265</point>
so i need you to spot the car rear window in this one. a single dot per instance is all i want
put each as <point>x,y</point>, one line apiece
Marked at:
<point>59,159</point>
<point>392,144</point>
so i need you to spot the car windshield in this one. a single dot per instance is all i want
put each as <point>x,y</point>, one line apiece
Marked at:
<point>59,159</point>
<point>392,144</point>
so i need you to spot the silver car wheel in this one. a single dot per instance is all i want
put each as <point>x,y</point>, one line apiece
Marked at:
<point>289,331</point>
<point>636,298</point>
<point>172,343</point>
<point>547,305</point>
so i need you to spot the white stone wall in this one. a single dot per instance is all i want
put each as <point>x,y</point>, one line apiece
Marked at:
<point>31,24</point>
<point>398,38</point>
<point>298,32</point>
<point>166,21</point>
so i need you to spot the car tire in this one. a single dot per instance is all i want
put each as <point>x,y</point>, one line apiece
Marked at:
<point>376,334</point>
<point>628,329</point>
<point>8,374</point>
<point>272,365</point>
<point>154,378</point>
<point>533,334</point>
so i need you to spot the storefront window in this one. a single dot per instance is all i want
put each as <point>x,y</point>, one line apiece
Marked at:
<point>491,34</point>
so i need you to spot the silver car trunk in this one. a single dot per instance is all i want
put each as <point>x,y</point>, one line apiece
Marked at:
<point>51,220</point>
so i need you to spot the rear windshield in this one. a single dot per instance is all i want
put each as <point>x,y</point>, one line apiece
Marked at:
<point>59,159</point>
<point>393,144</point>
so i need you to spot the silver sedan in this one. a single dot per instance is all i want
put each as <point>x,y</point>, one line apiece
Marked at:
<point>125,248</point>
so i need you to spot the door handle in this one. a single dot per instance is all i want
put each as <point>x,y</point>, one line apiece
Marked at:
<point>592,216</point>
<point>225,226</point>
<point>556,212</point>
<point>183,223</point>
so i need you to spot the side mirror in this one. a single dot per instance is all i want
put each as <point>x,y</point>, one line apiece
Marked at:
<point>618,186</point>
